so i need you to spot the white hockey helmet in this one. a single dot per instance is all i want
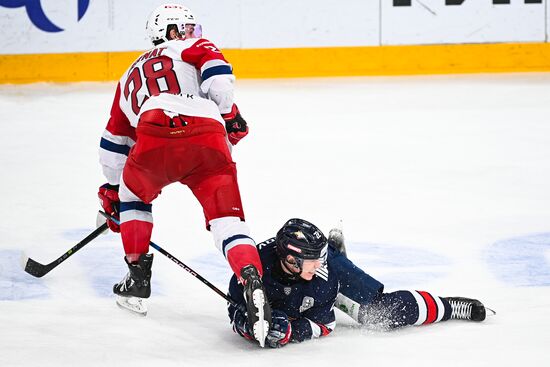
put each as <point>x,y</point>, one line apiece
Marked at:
<point>167,14</point>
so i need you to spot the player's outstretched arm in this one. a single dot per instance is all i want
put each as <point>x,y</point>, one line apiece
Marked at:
<point>316,322</point>
<point>305,329</point>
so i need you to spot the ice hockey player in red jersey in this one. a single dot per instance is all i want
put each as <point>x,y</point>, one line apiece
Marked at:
<point>173,119</point>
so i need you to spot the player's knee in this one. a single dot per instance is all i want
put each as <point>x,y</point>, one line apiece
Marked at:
<point>227,227</point>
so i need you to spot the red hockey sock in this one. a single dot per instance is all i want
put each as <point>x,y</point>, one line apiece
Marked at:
<point>241,255</point>
<point>136,235</point>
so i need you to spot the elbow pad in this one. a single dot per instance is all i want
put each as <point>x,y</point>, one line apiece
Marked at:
<point>221,91</point>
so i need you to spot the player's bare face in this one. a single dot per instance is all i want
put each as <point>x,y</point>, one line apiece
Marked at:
<point>309,267</point>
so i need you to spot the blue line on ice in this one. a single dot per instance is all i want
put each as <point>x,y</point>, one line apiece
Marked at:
<point>521,261</point>
<point>15,284</point>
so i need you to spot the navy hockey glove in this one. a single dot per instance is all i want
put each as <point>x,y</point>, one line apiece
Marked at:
<point>235,125</point>
<point>240,324</point>
<point>281,330</point>
<point>108,198</point>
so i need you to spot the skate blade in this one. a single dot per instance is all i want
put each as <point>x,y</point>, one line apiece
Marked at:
<point>261,327</point>
<point>135,305</point>
<point>490,311</point>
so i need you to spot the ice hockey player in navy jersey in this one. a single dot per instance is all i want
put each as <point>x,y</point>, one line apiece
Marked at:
<point>173,119</point>
<point>306,276</point>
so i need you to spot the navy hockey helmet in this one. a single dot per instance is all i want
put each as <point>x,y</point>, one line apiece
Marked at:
<point>302,240</point>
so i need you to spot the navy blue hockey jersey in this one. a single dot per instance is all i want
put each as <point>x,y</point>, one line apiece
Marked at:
<point>310,304</point>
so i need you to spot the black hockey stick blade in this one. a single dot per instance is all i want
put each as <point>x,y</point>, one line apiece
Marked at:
<point>38,270</point>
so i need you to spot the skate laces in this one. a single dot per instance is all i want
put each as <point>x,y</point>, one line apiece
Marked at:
<point>126,283</point>
<point>461,309</point>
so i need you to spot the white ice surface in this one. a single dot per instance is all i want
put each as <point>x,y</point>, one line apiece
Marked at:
<point>442,183</point>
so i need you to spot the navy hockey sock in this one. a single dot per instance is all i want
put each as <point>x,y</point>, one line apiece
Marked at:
<point>402,308</point>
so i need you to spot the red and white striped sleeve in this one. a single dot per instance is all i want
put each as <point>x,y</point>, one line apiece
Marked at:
<point>117,139</point>
<point>216,73</point>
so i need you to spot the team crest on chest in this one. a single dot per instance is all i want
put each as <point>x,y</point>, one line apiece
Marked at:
<point>287,290</point>
<point>307,303</point>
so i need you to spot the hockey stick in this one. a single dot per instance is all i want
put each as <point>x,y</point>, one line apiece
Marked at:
<point>38,270</point>
<point>182,265</point>
<point>192,272</point>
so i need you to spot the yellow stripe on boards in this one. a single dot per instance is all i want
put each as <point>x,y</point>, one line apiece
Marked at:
<point>69,67</point>
<point>297,62</point>
<point>390,60</point>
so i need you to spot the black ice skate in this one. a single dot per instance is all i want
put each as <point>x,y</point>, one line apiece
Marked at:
<point>257,306</point>
<point>336,239</point>
<point>466,309</point>
<point>135,286</point>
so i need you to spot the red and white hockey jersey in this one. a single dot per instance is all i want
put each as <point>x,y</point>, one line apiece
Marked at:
<point>162,78</point>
